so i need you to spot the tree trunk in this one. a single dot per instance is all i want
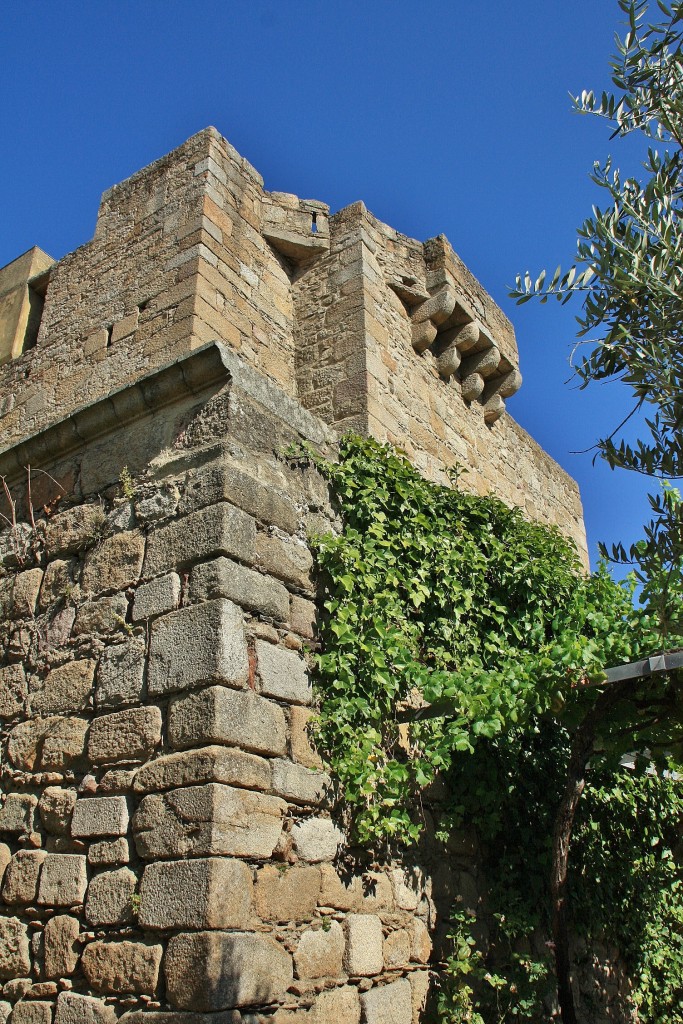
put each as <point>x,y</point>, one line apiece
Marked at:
<point>581,751</point>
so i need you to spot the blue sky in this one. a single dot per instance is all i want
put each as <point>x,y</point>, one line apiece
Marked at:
<point>448,117</point>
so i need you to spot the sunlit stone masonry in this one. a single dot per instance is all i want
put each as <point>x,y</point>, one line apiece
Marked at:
<point>167,851</point>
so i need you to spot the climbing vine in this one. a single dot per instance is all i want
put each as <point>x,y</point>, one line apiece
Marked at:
<point>435,597</point>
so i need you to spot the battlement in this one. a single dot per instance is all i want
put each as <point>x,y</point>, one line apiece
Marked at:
<point>368,329</point>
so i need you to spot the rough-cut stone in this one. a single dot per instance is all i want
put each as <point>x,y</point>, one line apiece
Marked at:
<point>32,1011</point>
<point>158,597</point>
<point>208,971</point>
<point>208,764</point>
<point>120,674</point>
<point>222,715</point>
<point>114,564</point>
<point>287,558</point>
<point>65,688</point>
<point>319,953</point>
<point>397,949</point>
<point>201,644</point>
<point>316,839</point>
<point>214,892</point>
<point>101,616</point>
<point>100,816</point>
<point>303,616</point>
<point>336,1006</point>
<point>293,782</point>
<point>20,884</point>
<point>377,892</point>
<point>55,807</point>
<point>226,481</point>
<point>122,966</point>
<point>63,880</point>
<point>15,961</point>
<point>363,954</point>
<point>388,1004</point>
<point>420,941</point>
<point>338,893</point>
<point>17,813</point>
<point>220,529</point>
<point>13,691</point>
<point>58,583</point>
<point>47,743</point>
<point>301,747</point>
<point>209,820</point>
<point>286,893</point>
<point>75,529</point>
<point>419,988</point>
<point>408,886</point>
<point>110,897</point>
<point>5,1010</point>
<point>5,858</point>
<point>109,853</point>
<point>250,589</point>
<point>61,946</point>
<point>25,593</point>
<point>130,735</point>
<point>73,1008</point>
<point>283,674</point>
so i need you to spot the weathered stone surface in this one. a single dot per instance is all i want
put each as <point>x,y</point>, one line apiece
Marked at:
<point>283,674</point>
<point>17,813</point>
<point>61,946</point>
<point>20,884</point>
<point>420,941</point>
<point>216,970</point>
<point>419,987</point>
<point>389,1004</point>
<point>201,644</point>
<point>250,589</point>
<point>74,529</point>
<point>302,616</point>
<point>210,820</point>
<point>32,1011</point>
<point>220,529</point>
<point>122,966</point>
<point>110,897</point>
<point>5,1010</point>
<point>300,785</point>
<point>15,961</point>
<point>100,816</point>
<point>114,564</point>
<point>408,886</point>
<point>58,582</point>
<point>73,1008</point>
<point>337,1006</point>
<point>63,880</point>
<point>185,1017</point>
<point>226,481</point>
<point>5,858</point>
<point>316,839</point>
<point>47,743</point>
<point>397,949</point>
<point>130,735</point>
<point>120,674</point>
<point>377,892</point>
<point>159,596</point>
<point>286,893</point>
<point>222,715</point>
<point>214,892</point>
<point>101,616</point>
<point>109,853</point>
<point>65,688</point>
<point>319,953</point>
<point>25,593</point>
<point>55,807</point>
<point>13,691</point>
<point>208,764</point>
<point>301,747</point>
<point>286,558</point>
<point>338,893</point>
<point>363,955</point>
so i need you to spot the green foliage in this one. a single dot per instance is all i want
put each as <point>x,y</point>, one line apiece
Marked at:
<point>435,596</point>
<point>629,275</point>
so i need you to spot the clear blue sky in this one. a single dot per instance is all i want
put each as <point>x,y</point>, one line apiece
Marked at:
<point>444,116</point>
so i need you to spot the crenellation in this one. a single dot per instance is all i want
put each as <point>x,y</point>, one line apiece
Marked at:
<point>168,846</point>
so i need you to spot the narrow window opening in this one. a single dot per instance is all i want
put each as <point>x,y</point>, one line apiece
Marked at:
<point>314,222</point>
<point>37,289</point>
<point>109,328</point>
